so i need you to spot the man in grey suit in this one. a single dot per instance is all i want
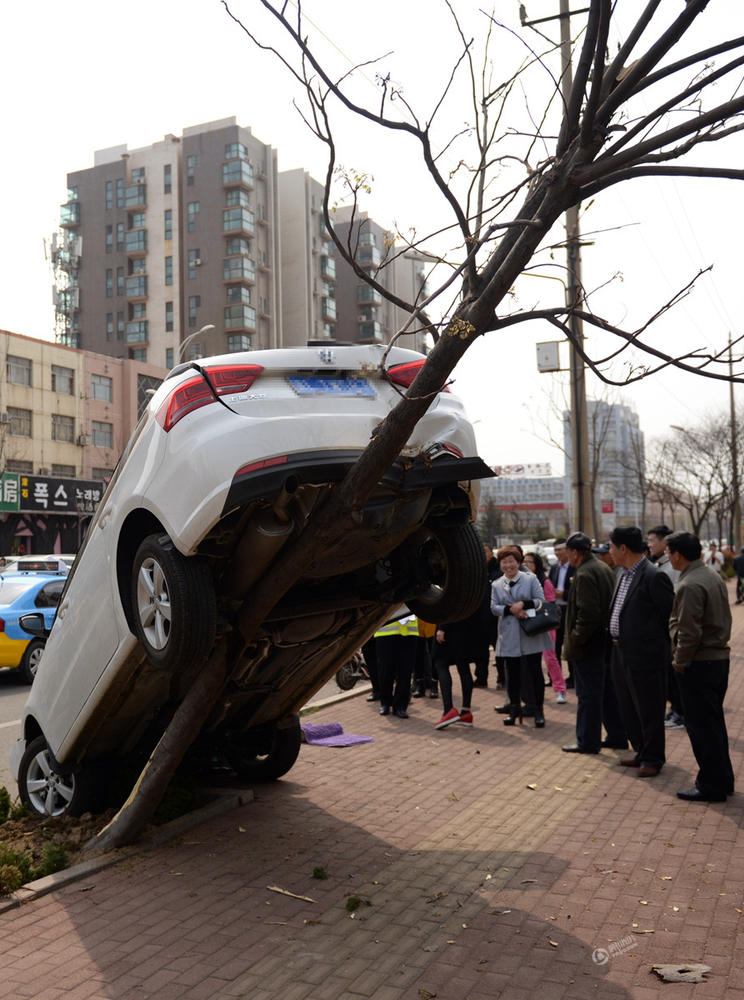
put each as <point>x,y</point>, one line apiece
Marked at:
<point>639,631</point>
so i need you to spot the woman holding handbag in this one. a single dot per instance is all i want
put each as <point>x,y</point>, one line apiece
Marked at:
<point>513,596</point>
<point>533,562</point>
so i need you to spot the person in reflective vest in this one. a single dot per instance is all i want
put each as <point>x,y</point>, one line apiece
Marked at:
<point>396,642</point>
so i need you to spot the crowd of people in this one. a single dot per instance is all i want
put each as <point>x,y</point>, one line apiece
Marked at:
<point>642,623</point>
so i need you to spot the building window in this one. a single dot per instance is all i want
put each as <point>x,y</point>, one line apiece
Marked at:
<point>101,387</point>
<point>169,270</point>
<point>168,317</point>
<point>190,170</point>
<point>239,293</point>
<point>20,422</point>
<point>19,465</point>
<point>194,303</point>
<point>109,326</point>
<point>137,310</point>
<point>236,316</point>
<point>138,354</point>
<point>235,151</point>
<point>193,211</point>
<point>120,281</point>
<point>63,380</point>
<point>109,239</point>
<point>137,220</point>
<point>102,474</point>
<point>194,262</point>
<point>63,428</point>
<point>238,197</point>
<point>18,370</point>
<point>120,193</point>
<point>120,325</point>
<point>237,245</point>
<point>66,471</point>
<point>138,265</point>
<point>169,357</point>
<point>167,178</point>
<point>103,434</point>
<point>238,342</point>
<point>109,282</point>
<point>109,194</point>
<point>119,235</point>
<point>138,174</point>
<point>168,226</point>
<point>238,218</point>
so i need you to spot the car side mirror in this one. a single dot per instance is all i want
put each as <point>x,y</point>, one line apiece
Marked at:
<point>33,623</point>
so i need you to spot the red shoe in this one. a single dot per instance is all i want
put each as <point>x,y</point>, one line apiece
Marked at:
<point>465,719</point>
<point>448,718</point>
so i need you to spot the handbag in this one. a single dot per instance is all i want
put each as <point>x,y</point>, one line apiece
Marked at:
<point>546,617</point>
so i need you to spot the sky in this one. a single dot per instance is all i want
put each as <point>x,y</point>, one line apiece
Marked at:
<point>85,75</point>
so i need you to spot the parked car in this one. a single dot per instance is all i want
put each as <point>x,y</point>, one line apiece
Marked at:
<point>226,466</point>
<point>21,593</point>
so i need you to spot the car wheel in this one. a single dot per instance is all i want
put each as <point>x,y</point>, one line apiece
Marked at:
<point>269,759</point>
<point>30,661</point>
<point>452,566</point>
<point>44,789</point>
<point>175,611</point>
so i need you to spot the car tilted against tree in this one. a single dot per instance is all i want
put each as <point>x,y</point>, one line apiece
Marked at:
<point>225,468</point>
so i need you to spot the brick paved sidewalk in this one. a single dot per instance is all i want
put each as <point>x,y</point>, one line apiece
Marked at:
<point>493,864</point>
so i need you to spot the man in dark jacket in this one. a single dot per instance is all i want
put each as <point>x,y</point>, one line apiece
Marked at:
<point>639,631</point>
<point>587,615</point>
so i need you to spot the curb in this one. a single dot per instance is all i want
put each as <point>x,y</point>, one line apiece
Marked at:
<point>316,706</point>
<point>50,883</point>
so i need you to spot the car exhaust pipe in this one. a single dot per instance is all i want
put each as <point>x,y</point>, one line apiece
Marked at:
<point>264,536</point>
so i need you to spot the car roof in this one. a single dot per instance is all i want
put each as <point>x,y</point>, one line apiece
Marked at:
<point>38,580</point>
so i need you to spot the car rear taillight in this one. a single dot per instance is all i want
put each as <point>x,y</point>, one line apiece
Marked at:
<point>2,624</point>
<point>189,396</point>
<point>232,378</point>
<point>403,375</point>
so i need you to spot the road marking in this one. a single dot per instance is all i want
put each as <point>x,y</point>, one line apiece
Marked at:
<point>13,722</point>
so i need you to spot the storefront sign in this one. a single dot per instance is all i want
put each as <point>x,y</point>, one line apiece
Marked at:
<point>48,495</point>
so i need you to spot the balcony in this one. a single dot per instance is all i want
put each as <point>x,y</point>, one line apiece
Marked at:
<point>328,268</point>
<point>238,294</point>
<point>238,269</point>
<point>329,308</point>
<point>67,299</point>
<point>370,331</point>
<point>136,332</point>
<point>324,234</point>
<point>70,214</point>
<point>237,172</point>
<point>238,220</point>
<point>240,317</point>
<point>369,256</point>
<point>135,241</point>
<point>368,296</point>
<point>135,286</point>
<point>135,195</point>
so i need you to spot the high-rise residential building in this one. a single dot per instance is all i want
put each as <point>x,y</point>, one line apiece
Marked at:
<point>308,271</point>
<point>159,242</point>
<point>364,315</point>
<point>616,461</point>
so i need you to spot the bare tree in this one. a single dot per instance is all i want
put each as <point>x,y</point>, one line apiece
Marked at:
<point>601,140</point>
<point>690,470</point>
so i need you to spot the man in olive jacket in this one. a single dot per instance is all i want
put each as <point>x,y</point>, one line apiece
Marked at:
<point>587,618</point>
<point>700,626</point>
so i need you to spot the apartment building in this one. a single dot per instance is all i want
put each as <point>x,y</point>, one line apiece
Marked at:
<point>65,416</point>
<point>156,244</point>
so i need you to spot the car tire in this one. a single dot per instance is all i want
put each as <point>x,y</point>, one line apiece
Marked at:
<point>174,604</point>
<point>45,790</point>
<point>271,760</point>
<point>30,662</point>
<point>452,566</point>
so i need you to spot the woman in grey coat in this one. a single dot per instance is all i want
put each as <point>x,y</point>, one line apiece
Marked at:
<point>512,596</point>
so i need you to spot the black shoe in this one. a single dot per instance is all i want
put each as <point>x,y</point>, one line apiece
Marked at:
<point>514,717</point>
<point>695,795</point>
<point>418,693</point>
<point>401,713</point>
<point>373,696</point>
<point>614,746</point>
<point>539,720</point>
<point>503,709</point>
<point>434,693</point>
<point>575,748</point>
<point>385,710</point>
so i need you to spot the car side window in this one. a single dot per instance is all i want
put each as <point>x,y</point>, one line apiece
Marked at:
<point>48,596</point>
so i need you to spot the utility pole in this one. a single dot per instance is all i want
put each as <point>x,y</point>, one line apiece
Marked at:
<point>582,491</point>
<point>736,510</point>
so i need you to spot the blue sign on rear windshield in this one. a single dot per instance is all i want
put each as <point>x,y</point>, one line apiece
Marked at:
<point>314,385</point>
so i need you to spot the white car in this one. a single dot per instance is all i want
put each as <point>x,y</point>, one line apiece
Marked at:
<point>225,468</point>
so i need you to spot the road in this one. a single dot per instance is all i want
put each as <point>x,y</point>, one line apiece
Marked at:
<point>13,694</point>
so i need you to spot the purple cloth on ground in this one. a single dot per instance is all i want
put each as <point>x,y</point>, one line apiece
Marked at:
<point>331,734</point>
